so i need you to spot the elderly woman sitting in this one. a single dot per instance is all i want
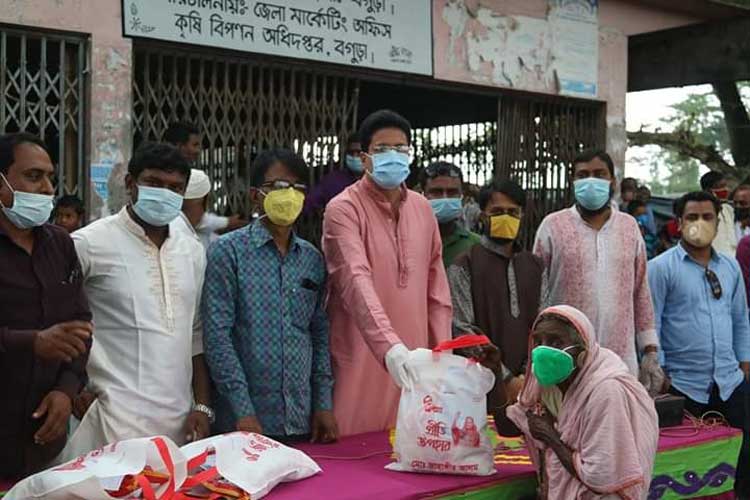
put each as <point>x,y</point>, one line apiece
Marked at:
<point>591,427</point>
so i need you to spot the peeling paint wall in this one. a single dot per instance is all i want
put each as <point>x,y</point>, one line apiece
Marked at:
<point>617,20</point>
<point>109,116</point>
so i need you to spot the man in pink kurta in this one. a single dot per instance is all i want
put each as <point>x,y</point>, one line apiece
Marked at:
<point>596,262</point>
<point>387,283</point>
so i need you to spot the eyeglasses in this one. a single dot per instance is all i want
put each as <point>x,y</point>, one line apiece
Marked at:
<point>384,148</point>
<point>280,184</point>
<point>714,283</point>
<point>442,170</point>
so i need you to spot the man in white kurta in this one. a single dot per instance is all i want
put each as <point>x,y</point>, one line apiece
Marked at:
<point>602,273</point>
<point>144,301</point>
<point>595,258</point>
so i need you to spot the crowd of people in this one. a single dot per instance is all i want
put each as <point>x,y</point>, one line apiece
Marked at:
<point>147,322</point>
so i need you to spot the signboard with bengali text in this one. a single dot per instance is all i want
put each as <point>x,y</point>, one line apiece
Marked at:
<point>393,35</point>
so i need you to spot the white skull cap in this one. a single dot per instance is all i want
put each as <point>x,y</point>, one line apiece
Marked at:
<point>199,185</point>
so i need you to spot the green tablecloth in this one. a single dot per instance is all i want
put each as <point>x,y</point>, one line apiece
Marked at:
<point>689,464</point>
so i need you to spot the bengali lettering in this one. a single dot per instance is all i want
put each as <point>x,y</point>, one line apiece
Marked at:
<point>230,29</point>
<point>330,18</point>
<point>468,468</point>
<point>191,22</point>
<point>282,36</point>
<point>435,428</point>
<point>270,12</point>
<point>435,466</point>
<point>226,6</point>
<point>441,445</point>
<point>371,6</point>
<point>268,442</point>
<point>385,34</point>
<point>356,52</point>
<point>369,26</point>
<point>256,446</point>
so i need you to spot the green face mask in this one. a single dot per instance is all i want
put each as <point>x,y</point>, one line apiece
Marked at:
<point>551,366</point>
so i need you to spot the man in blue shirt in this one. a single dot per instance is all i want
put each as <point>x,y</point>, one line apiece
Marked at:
<point>702,322</point>
<point>265,327</point>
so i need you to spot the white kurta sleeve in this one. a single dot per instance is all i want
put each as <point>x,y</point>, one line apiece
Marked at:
<point>83,250</point>
<point>200,271</point>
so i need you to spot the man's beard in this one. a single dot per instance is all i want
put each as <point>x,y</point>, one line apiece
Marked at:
<point>591,213</point>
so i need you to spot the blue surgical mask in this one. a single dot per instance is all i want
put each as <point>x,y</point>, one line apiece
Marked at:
<point>642,220</point>
<point>446,209</point>
<point>354,163</point>
<point>592,193</point>
<point>157,206</point>
<point>390,169</point>
<point>29,209</point>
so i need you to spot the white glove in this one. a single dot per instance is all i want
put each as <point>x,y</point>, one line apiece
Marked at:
<point>650,374</point>
<point>395,362</point>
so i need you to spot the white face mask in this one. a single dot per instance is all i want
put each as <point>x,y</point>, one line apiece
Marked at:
<point>157,206</point>
<point>29,209</point>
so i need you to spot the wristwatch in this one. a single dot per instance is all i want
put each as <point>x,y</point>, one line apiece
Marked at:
<point>205,410</point>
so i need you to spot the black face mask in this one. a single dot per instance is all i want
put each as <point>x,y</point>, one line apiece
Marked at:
<point>741,213</point>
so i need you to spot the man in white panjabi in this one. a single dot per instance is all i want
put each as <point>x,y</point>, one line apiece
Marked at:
<point>143,278</point>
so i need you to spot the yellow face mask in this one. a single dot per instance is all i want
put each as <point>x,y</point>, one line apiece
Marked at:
<point>504,227</point>
<point>283,206</point>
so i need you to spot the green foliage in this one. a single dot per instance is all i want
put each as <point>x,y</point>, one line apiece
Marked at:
<point>701,114</point>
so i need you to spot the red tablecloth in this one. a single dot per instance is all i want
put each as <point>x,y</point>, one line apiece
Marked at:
<point>680,437</point>
<point>346,475</point>
<point>354,469</point>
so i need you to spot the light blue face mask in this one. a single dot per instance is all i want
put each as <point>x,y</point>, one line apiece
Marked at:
<point>157,206</point>
<point>592,193</point>
<point>446,209</point>
<point>390,169</point>
<point>354,163</point>
<point>29,209</point>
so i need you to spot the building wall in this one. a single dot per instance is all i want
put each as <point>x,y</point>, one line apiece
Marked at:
<point>617,20</point>
<point>633,18</point>
<point>110,76</point>
<point>111,72</point>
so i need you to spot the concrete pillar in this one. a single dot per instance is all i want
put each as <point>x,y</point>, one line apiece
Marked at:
<point>110,63</point>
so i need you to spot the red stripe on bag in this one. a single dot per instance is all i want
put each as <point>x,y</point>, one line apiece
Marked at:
<point>163,450</point>
<point>462,341</point>
<point>148,491</point>
<point>198,460</point>
<point>201,477</point>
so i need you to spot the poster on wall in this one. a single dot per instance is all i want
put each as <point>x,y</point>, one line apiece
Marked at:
<point>100,173</point>
<point>393,35</point>
<point>575,32</point>
<point>477,42</point>
<point>487,47</point>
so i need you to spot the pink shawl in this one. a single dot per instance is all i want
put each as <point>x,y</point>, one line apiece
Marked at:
<point>607,418</point>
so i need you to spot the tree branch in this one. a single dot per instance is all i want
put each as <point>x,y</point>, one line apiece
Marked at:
<point>737,121</point>
<point>684,143</point>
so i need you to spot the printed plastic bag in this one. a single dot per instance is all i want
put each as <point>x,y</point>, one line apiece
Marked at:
<point>242,462</point>
<point>442,418</point>
<point>144,468</point>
